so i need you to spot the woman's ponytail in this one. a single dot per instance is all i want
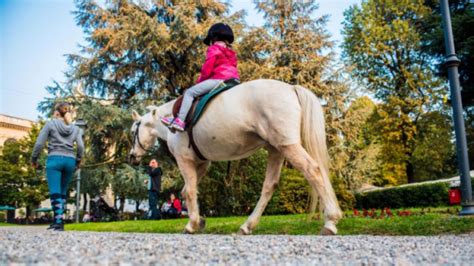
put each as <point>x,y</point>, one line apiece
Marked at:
<point>68,118</point>
<point>62,111</point>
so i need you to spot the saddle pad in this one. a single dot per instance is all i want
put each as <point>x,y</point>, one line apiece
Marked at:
<point>201,102</point>
<point>201,105</point>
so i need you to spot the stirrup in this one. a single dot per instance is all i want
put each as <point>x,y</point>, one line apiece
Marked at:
<point>177,128</point>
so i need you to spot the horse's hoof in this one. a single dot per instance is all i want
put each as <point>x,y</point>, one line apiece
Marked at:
<point>326,232</point>
<point>202,223</point>
<point>244,232</point>
<point>187,231</point>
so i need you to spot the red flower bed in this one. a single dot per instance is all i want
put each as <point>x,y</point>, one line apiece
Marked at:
<point>383,213</point>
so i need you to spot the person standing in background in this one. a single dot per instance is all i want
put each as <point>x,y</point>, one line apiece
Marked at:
<point>154,187</point>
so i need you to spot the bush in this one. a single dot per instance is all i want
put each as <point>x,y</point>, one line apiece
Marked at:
<point>424,195</point>
<point>292,195</point>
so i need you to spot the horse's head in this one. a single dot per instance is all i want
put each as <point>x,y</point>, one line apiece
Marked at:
<point>144,134</point>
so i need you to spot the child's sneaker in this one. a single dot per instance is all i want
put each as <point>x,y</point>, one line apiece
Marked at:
<point>167,121</point>
<point>178,124</point>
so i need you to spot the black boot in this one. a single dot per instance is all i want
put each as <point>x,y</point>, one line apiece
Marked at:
<point>56,227</point>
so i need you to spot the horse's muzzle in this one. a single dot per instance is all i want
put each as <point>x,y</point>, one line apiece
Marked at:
<point>132,159</point>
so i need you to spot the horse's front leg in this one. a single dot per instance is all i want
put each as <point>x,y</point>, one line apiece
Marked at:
<point>272,177</point>
<point>188,169</point>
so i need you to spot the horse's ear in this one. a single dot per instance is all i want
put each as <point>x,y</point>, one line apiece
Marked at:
<point>135,116</point>
<point>154,113</point>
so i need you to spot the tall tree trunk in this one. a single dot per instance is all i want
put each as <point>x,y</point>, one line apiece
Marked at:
<point>28,213</point>
<point>410,172</point>
<point>85,202</point>
<point>409,152</point>
<point>10,216</point>
<point>137,206</point>
<point>122,203</point>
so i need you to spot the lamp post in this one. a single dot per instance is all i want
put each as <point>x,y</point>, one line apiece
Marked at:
<point>82,125</point>
<point>452,63</point>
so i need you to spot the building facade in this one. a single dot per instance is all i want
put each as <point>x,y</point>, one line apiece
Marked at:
<point>13,128</point>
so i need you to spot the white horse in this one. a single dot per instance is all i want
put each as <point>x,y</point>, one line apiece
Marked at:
<point>286,120</point>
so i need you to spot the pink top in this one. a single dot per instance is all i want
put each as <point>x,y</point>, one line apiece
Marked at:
<point>221,63</point>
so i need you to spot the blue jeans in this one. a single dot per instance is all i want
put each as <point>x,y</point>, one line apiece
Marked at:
<point>59,171</point>
<point>153,201</point>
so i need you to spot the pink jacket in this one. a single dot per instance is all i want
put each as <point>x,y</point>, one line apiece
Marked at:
<point>221,63</point>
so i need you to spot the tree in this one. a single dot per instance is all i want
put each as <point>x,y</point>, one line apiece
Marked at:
<point>129,184</point>
<point>144,49</point>
<point>292,46</point>
<point>361,147</point>
<point>94,182</point>
<point>20,184</point>
<point>462,18</point>
<point>429,163</point>
<point>382,41</point>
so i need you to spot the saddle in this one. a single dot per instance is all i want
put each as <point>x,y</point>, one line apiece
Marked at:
<point>198,107</point>
<point>199,103</point>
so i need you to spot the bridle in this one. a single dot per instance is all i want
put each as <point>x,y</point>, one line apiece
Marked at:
<point>136,137</point>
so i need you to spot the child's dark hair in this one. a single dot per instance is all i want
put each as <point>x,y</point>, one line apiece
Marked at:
<point>221,39</point>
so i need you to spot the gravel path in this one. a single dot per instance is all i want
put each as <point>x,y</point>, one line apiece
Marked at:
<point>33,245</point>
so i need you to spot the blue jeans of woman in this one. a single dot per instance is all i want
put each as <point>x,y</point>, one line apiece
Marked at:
<point>59,171</point>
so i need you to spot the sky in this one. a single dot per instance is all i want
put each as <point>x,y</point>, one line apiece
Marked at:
<point>36,34</point>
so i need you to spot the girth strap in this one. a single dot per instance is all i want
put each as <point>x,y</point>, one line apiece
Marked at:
<point>198,108</point>
<point>192,143</point>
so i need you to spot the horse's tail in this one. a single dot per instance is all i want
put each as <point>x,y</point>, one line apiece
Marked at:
<point>313,134</point>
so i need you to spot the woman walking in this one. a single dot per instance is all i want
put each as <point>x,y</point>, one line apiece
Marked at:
<point>61,135</point>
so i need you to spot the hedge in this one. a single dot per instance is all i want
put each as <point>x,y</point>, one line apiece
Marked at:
<point>424,195</point>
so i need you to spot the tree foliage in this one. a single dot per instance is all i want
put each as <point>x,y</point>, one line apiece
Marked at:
<point>462,20</point>
<point>292,46</point>
<point>382,40</point>
<point>361,150</point>
<point>20,184</point>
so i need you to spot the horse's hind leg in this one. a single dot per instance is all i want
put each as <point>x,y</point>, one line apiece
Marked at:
<point>319,180</point>
<point>272,177</point>
<point>189,171</point>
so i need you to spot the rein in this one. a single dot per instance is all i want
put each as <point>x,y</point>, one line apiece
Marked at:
<point>137,138</point>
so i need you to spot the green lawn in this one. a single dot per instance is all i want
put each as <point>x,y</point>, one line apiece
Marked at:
<point>6,224</point>
<point>435,222</point>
